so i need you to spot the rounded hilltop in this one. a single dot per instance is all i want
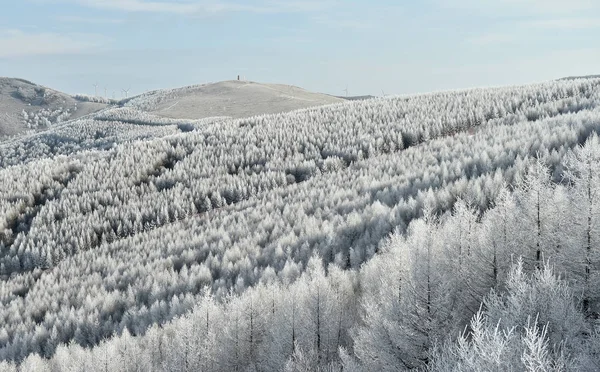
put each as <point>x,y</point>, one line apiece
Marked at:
<point>231,98</point>
<point>25,105</point>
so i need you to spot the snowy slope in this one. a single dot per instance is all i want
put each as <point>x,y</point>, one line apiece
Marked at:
<point>43,106</point>
<point>236,99</point>
<point>124,220</point>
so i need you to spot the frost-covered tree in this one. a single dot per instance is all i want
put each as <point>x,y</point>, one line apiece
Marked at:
<point>410,305</point>
<point>582,171</point>
<point>122,222</point>
<point>535,326</point>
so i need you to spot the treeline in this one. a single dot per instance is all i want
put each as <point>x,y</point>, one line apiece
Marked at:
<point>101,241</point>
<point>522,277</point>
<point>391,123</point>
<point>79,137</point>
<point>225,167</point>
<point>134,116</point>
<point>96,99</point>
<point>46,117</point>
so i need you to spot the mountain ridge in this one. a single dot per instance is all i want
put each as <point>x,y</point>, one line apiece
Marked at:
<point>25,105</point>
<point>233,98</point>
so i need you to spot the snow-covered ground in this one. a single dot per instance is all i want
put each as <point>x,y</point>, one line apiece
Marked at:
<point>359,234</point>
<point>27,106</point>
<point>236,99</point>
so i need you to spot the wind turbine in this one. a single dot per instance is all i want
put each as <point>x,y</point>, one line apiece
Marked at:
<point>126,91</point>
<point>95,89</point>
<point>346,90</point>
<point>105,94</point>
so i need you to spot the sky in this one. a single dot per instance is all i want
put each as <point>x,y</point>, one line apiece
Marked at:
<point>366,46</point>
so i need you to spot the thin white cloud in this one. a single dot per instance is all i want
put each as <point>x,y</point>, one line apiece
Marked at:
<point>565,23</point>
<point>16,43</point>
<point>517,69</point>
<point>148,6</point>
<point>523,7</point>
<point>305,6</point>
<point>88,20</point>
<point>551,6</point>
<point>492,38</point>
<point>516,31</point>
<point>361,18</point>
<point>203,7</point>
<point>344,23</point>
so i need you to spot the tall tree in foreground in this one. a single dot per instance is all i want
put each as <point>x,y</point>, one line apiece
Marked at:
<point>535,326</point>
<point>535,196</point>
<point>497,248</point>
<point>408,305</point>
<point>582,171</point>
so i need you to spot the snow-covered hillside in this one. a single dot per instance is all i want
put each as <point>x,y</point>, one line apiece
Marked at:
<point>236,99</point>
<point>25,106</point>
<point>362,234</point>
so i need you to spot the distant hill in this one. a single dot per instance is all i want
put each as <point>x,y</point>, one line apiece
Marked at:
<point>236,99</point>
<point>25,105</point>
<point>356,98</point>
<point>581,77</point>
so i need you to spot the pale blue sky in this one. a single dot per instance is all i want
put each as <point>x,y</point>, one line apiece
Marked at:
<point>325,45</point>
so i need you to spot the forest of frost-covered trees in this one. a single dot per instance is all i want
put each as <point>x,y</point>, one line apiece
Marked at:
<point>447,231</point>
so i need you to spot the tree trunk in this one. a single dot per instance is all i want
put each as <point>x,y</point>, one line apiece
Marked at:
<point>319,324</point>
<point>538,253</point>
<point>588,262</point>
